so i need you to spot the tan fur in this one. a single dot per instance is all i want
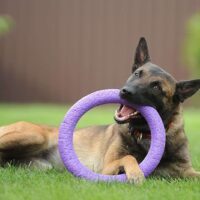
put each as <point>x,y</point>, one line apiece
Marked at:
<point>98,148</point>
<point>112,149</point>
<point>98,151</point>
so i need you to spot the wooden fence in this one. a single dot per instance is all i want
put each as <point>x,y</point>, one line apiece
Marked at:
<point>60,50</point>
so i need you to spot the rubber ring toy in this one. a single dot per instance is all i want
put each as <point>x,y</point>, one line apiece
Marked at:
<point>65,141</point>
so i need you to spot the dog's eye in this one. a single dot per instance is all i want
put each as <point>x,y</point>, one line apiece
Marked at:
<point>137,74</point>
<point>156,87</point>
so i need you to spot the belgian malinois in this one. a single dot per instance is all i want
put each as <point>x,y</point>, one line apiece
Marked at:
<point>118,147</point>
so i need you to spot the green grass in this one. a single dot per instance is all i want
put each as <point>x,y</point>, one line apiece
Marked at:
<point>20,184</point>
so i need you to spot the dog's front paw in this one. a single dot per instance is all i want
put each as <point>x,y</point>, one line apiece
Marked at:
<point>135,176</point>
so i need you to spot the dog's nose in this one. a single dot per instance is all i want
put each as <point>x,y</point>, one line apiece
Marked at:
<point>125,92</point>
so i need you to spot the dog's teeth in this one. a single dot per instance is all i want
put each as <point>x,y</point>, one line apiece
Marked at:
<point>134,114</point>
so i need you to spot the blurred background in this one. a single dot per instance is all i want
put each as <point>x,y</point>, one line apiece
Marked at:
<point>60,50</point>
<point>53,52</point>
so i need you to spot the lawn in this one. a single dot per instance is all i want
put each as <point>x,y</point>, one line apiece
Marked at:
<point>20,184</point>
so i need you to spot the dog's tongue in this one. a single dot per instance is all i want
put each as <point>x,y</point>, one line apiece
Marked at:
<point>125,111</point>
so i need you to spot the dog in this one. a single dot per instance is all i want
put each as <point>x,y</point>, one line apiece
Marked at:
<point>119,147</point>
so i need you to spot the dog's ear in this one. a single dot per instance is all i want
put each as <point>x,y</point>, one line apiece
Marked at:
<point>185,89</point>
<point>141,54</point>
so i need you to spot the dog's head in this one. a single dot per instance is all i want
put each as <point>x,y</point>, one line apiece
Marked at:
<point>150,85</point>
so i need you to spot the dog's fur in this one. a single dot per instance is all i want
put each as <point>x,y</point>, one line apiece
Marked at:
<point>118,147</point>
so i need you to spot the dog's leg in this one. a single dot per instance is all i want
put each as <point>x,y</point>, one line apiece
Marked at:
<point>20,144</point>
<point>32,162</point>
<point>130,166</point>
<point>191,173</point>
<point>112,168</point>
<point>178,170</point>
<point>39,163</point>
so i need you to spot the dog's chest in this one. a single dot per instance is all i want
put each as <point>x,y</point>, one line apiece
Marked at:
<point>136,146</point>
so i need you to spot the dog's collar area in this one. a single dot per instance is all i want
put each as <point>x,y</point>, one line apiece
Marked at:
<point>138,135</point>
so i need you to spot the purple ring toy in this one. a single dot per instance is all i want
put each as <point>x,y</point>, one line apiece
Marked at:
<point>97,98</point>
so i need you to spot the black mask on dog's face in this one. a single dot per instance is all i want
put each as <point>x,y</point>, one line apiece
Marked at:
<point>152,86</point>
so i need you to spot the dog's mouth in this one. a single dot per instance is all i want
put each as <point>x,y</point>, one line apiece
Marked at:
<point>125,114</point>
